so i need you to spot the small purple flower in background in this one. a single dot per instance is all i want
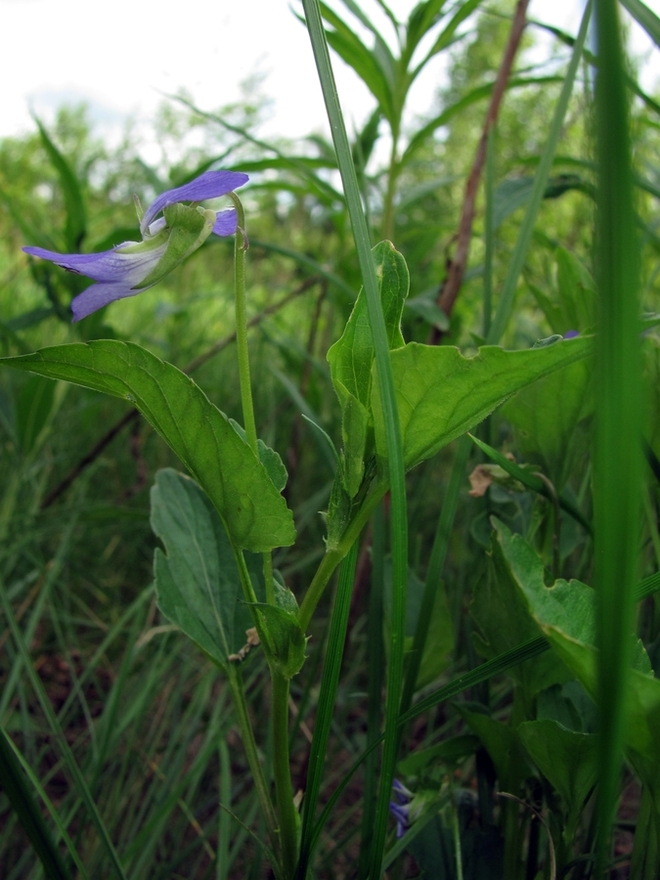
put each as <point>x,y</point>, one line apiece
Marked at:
<point>132,267</point>
<point>571,334</point>
<point>400,807</point>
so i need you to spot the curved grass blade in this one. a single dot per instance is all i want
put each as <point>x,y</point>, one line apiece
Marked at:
<point>446,37</point>
<point>646,17</point>
<point>22,800</point>
<point>536,484</point>
<point>49,806</point>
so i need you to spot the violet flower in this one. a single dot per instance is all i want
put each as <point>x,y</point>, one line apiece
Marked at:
<point>400,807</point>
<point>132,267</point>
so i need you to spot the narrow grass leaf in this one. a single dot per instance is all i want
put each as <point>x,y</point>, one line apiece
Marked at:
<point>646,17</point>
<point>69,759</point>
<point>376,677</point>
<point>61,827</point>
<point>392,433</point>
<point>22,800</point>
<point>533,482</point>
<point>617,461</point>
<point>325,707</point>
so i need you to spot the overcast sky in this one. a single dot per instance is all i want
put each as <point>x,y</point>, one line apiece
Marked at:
<point>120,56</point>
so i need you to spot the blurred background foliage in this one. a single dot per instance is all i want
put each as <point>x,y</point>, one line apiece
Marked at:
<point>144,713</point>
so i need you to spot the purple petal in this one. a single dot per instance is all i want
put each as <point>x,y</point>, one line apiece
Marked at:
<point>401,793</point>
<point>99,295</point>
<point>209,185</point>
<point>402,818</point>
<point>571,334</point>
<point>225,222</point>
<point>108,266</point>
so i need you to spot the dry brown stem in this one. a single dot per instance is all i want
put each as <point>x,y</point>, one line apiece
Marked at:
<point>450,288</point>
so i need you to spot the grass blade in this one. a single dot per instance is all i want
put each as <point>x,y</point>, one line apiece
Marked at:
<point>376,655</point>
<point>327,695</point>
<point>21,799</point>
<point>399,525</point>
<point>58,733</point>
<point>617,462</point>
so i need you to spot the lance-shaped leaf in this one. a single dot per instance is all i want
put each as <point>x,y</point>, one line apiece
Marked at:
<point>253,511</point>
<point>197,582</point>
<point>441,394</point>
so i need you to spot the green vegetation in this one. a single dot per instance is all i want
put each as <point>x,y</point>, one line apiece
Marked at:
<point>414,629</point>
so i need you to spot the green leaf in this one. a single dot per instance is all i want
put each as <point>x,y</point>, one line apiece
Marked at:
<point>187,229</point>
<point>441,393</point>
<point>34,405</point>
<point>641,706</point>
<point>567,759</point>
<point>197,582</point>
<point>450,751</point>
<point>513,193</point>
<point>577,292</point>
<point>428,309</point>
<point>254,513</point>
<point>505,622</point>
<point>502,743</point>
<point>567,606</point>
<point>440,637</point>
<point>547,416</point>
<point>352,356</point>
<point>365,140</point>
<point>286,639</point>
<point>420,20</point>
<point>269,458</point>
<point>351,359</point>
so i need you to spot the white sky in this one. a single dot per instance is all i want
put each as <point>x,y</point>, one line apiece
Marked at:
<point>119,56</point>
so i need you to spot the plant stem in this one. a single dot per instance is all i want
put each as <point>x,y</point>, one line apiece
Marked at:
<point>333,557</point>
<point>286,811</point>
<point>250,746</point>
<point>240,247</point>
